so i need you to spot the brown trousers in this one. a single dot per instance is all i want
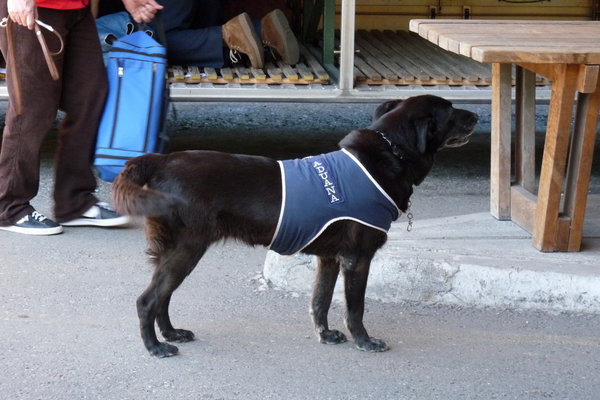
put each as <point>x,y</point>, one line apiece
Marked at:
<point>80,93</point>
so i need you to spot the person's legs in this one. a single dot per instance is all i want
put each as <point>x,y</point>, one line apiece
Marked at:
<point>83,93</point>
<point>180,14</point>
<point>193,32</point>
<point>207,13</point>
<point>201,47</point>
<point>24,134</point>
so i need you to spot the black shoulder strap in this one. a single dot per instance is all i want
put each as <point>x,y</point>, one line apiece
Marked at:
<point>157,26</point>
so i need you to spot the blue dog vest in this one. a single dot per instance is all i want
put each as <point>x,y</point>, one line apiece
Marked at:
<point>320,190</point>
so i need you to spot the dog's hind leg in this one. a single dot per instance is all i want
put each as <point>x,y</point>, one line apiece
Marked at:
<point>172,268</point>
<point>327,273</point>
<point>356,273</point>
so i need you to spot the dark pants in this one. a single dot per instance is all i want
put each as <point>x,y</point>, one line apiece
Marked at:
<point>80,93</point>
<point>193,30</point>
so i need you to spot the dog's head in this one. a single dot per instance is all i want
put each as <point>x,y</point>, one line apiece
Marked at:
<point>423,124</point>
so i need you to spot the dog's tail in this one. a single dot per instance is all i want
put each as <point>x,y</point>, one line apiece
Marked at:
<point>132,194</point>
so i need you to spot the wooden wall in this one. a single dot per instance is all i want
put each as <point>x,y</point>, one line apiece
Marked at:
<point>395,14</point>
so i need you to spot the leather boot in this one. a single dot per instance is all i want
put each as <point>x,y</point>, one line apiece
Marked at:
<point>277,34</point>
<point>239,35</point>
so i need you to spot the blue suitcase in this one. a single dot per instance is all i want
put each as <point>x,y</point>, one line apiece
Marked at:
<point>133,121</point>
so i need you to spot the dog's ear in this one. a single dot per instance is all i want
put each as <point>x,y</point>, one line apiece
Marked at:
<point>385,108</point>
<point>422,127</point>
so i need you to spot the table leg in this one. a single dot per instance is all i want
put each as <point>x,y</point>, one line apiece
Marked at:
<point>579,167</point>
<point>500,141</point>
<point>522,197</point>
<point>545,230</point>
<point>525,129</point>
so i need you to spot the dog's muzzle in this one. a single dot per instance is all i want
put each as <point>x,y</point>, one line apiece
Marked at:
<point>466,129</point>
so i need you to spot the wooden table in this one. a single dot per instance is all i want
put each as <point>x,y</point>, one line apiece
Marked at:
<point>568,53</point>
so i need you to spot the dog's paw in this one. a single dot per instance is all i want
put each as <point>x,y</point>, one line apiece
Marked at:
<point>332,337</point>
<point>162,350</point>
<point>178,335</point>
<point>372,345</point>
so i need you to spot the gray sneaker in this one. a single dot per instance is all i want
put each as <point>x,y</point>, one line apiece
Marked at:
<point>34,224</point>
<point>99,215</point>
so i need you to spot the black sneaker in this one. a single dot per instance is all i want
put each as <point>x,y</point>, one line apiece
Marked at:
<point>34,224</point>
<point>99,215</point>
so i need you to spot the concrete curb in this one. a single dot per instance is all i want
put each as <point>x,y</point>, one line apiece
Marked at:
<point>471,260</point>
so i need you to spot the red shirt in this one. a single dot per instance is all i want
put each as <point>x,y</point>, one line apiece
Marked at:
<point>63,4</point>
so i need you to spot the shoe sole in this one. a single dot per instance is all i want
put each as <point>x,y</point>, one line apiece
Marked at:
<point>33,231</point>
<point>104,223</point>
<point>248,28</point>
<point>290,44</point>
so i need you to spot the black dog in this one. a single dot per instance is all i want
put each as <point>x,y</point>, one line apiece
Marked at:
<point>192,199</point>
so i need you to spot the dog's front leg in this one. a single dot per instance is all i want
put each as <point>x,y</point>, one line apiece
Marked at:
<point>356,273</point>
<point>327,273</point>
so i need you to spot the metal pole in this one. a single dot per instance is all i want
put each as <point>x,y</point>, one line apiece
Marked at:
<point>347,45</point>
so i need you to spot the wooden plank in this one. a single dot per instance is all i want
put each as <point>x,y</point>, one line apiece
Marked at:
<point>453,64</point>
<point>177,73</point>
<point>367,69</point>
<point>525,129</point>
<point>580,164</point>
<point>365,42</point>
<point>242,73</point>
<point>408,53</point>
<point>432,29</point>
<point>481,68</point>
<point>522,210</point>
<point>288,71</point>
<point>314,65</point>
<point>588,78</point>
<point>193,74</point>
<point>534,54</point>
<point>305,72</point>
<point>563,230</point>
<point>258,74</point>
<point>539,50</point>
<point>405,71</point>
<point>370,56</point>
<point>555,157</point>
<point>420,22</point>
<point>509,39</point>
<point>398,54</point>
<point>227,74</point>
<point>445,60</point>
<point>275,73</point>
<point>472,67</point>
<point>438,73</point>
<point>211,74</point>
<point>424,26</point>
<point>359,76</point>
<point>500,141</point>
<point>392,59</point>
<point>546,70</point>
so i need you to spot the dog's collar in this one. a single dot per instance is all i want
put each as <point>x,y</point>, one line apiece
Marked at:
<point>396,150</point>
